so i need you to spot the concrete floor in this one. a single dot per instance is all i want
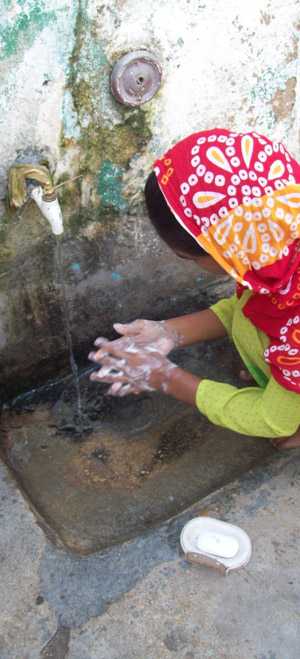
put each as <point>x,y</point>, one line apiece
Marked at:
<point>141,600</point>
<point>143,460</point>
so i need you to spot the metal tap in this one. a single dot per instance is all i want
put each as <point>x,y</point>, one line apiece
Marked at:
<point>20,177</point>
<point>34,181</point>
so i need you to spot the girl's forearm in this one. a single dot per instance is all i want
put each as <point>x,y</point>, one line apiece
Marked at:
<point>177,383</point>
<point>200,326</point>
<point>183,386</point>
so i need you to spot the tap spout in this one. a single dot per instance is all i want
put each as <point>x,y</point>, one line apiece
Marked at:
<point>34,180</point>
<point>50,209</point>
<point>20,176</point>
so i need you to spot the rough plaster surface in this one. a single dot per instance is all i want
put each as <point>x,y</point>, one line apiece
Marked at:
<point>220,67</point>
<point>235,66</point>
<point>141,600</point>
<point>25,625</point>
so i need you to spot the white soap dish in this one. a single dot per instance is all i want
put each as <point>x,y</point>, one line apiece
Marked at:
<point>217,544</point>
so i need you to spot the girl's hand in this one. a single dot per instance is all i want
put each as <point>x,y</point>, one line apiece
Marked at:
<point>131,368</point>
<point>155,335</point>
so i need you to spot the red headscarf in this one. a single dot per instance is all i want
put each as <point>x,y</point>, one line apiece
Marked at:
<point>238,195</point>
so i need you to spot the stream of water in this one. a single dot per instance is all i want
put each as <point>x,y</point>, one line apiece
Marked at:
<point>67,327</point>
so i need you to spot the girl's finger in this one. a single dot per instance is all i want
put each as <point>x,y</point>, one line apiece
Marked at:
<point>100,340</point>
<point>129,329</point>
<point>124,390</point>
<point>108,375</point>
<point>290,442</point>
<point>105,344</point>
<point>106,360</point>
<point>114,350</point>
<point>114,389</point>
<point>127,389</point>
<point>93,356</point>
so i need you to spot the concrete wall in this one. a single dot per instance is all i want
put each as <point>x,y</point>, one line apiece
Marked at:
<point>231,64</point>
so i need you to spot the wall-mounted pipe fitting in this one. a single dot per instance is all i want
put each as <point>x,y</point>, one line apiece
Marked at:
<point>135,78</point>
<point>34,180</point>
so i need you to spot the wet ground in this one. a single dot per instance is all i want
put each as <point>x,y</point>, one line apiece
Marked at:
<point>138,461</point>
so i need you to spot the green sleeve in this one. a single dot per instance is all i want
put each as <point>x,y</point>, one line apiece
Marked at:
<point>224,309</point>
<point>269,412</point>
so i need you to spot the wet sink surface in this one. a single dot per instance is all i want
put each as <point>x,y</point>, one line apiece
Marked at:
<point>143,460</point>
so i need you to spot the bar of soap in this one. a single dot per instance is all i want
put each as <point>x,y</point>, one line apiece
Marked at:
<point>217,544</point>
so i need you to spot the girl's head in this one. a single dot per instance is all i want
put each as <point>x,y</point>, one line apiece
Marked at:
<point>171,231</point>
<point>231,200</point>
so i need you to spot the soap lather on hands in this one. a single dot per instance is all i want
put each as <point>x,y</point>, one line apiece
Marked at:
<point>136,362</point>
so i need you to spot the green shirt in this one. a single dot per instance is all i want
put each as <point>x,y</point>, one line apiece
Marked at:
<point>267,410</point>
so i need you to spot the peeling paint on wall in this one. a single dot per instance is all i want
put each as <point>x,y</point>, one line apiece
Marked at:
<point>236,68</point>
<point>110,186</point>
<point>219,68</point>
<point>284,100</point>
<point>21,29</point>
<point>71,129</point>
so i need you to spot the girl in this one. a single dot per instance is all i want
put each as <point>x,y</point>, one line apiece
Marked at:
<point>230,202</point>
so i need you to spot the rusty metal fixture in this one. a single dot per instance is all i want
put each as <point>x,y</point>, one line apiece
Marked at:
<point>135,78</point>
<point>20,175</point>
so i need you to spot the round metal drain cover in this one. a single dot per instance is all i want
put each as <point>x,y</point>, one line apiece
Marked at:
<point>135,78</point>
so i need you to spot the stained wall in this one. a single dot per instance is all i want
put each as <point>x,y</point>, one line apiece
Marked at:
<point>231,64</point>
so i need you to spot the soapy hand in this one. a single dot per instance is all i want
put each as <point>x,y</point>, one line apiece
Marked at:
<point>131,368</point>
<point>157,336</point>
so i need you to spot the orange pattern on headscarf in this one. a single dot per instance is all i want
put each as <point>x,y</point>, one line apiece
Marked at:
<point>238,195</point>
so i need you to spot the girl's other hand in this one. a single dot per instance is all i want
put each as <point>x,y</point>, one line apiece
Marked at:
<point>154,335</point>
<point>131,368</point>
